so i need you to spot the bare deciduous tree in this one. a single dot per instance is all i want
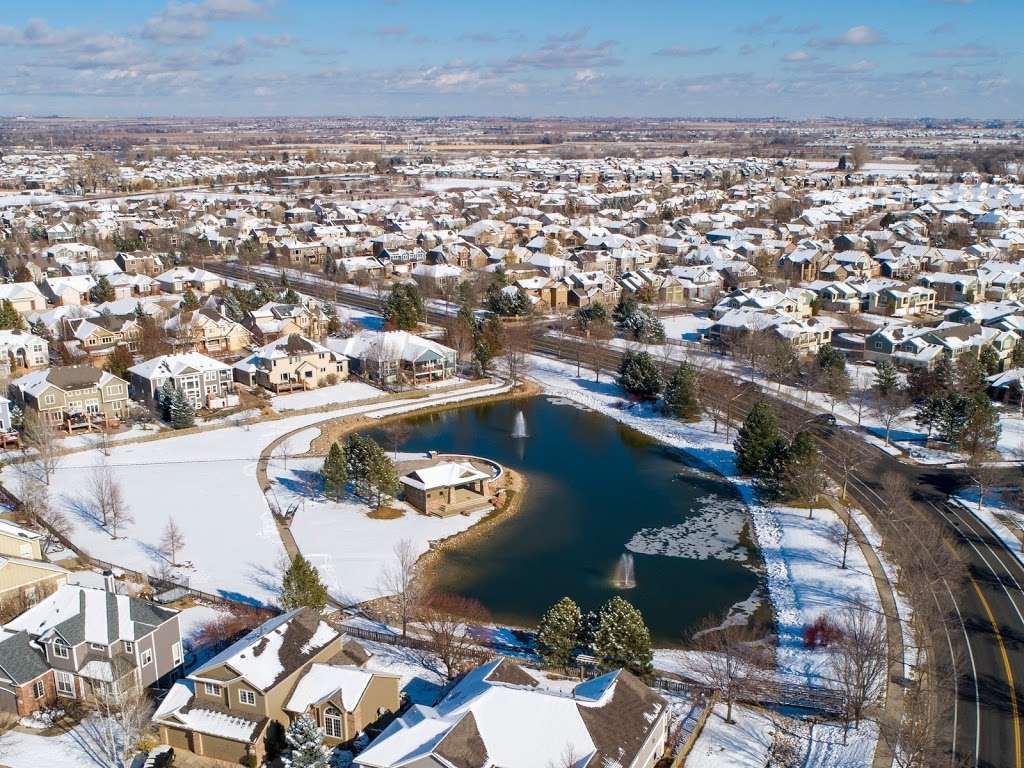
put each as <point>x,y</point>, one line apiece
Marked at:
<point>34,495</point>
<point>399,582</point>
<point>117,724</point>
<point>40,445</point>
<point>887,408</point>
<point>449,622</point>
<point>107,500</point>
<point>914,738</point>
<point>172,541</point>
<point>859,660</point>
<point>731,660</point>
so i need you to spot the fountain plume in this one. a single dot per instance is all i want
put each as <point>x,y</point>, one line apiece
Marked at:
<point>624,576</point>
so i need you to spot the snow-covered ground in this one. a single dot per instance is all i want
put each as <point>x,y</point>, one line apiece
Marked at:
<point>338,394</point>
<point>207,482</point>
<point>75,749</point>
<point>351,551</point>
<point>686,327</point>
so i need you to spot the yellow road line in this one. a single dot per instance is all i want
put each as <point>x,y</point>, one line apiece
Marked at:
<point>1007,669</point>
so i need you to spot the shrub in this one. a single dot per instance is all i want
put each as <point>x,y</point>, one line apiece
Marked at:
<point>821,633</point>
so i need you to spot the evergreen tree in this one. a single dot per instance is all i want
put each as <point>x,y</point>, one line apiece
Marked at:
<point>232,308</point>
<point>306,745</point>
<point>831,358</point>
<point>381,476</point>
<point>639,375</point>
<point>627,306</point>
<point>189,301</point>
<point>290,297</point>
<point>102,291</point>
<point>757,442</point>
<point>507,302</point>
<point>970,375</point>
<point>40,329</point>
<point>989,360</point>
<point>301,586</point>
<point>944,375</point>
<point>981,429</point>
<point>929,411</point>
<point>403,308</point>
<point>956,409</point>
<point>623,639</point>
<point>644,327</point>
<point>1017,360</point>
<point>682,393</point>
<point>887,379</point>
<point>164,398</point>
<point>119,362</point>
<point>335,472</point>
<point>9,317</point>
<point>559,632</point>
<point>183,415</point>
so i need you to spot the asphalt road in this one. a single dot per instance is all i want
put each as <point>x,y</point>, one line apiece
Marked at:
<point>985,629</point>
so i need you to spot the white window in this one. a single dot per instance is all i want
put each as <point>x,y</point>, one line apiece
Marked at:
<point>60,649</point>
<point>245,696</point>
<point>38,689</point>
<point>25,550</point>
<point>129,646</point>
<point>50,399</point>
<point>332,723</point>
<point>176,655</point>
<point>65,683</point>
<point>211,689</point>
<point>97,647</point>
<point>147,657</point>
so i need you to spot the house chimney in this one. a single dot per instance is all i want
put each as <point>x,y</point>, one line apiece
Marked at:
<point>108,582</point>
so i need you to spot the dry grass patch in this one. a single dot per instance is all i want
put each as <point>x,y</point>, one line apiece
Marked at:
<point>386,513</point>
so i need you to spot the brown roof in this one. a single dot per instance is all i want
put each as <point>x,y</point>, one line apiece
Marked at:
<point>621,727</point>
<point>511,673</point>
<point>296,344</point>
<point>463,746</point>
<point>75,376</point>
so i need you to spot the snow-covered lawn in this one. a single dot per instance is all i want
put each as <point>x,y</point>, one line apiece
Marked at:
<point>74,749</point>
<point>686,327</point>
<point>351,551</point>
<point>338,394</point>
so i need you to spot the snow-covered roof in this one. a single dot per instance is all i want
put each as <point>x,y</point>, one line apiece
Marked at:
<point>166,366</point>
<point>175,709</point>
<point>321,682</point>
<point>443,475</point>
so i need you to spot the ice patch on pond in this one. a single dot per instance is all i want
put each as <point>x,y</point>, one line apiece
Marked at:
<point>714,532</point>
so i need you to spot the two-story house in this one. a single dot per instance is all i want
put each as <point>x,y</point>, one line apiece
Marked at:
<point>274,320</point>
<point>72,392</point>
<point>392,356</point>
<point>178,279</point>
<point>24,297</point>
<point>25,577</point>
<point>291,362</point>
<point>207,331</point>
<point>290,665</point>
<point>21,350</point>
<point>97,641</point>
<point>501,715</point>
<point>205,382</point>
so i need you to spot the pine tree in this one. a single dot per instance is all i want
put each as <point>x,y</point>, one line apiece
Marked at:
<point>189,301</point>
<point>757,441</point>
<point>626,306</point>
<point>381,476</point>
<point>403,308</point>
<point>164,398</point>
<point>639,375</point>
<point>830,357</point>
<point>290,297</point>
<point>970,375</point>
<point>944,375</point>
<point>306,745</point>
<point>102,291</point>
<point>9,317</point>
<point>981,429</point>
<point>301,586</point>
<point>887,379</point>
<point>183,415</point>
<point>119,362</point>
<point>623,639</point>
<point>644,327</point>
<point>40,329</point>
<point>335,472</point>
<point>1017,361</point>
<point>232,308</point>
<point>682,394</point>
<point>559,632</point>
<point>989,360</point>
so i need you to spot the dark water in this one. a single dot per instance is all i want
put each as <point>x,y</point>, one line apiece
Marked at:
<point>592,484</point>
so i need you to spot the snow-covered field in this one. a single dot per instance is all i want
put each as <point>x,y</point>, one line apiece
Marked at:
<point>351,550</point>
<point>339,394</point>
<point>686,327</point>
<point>207,482</point>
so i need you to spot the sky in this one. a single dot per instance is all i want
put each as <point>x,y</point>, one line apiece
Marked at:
<point>645,58</point>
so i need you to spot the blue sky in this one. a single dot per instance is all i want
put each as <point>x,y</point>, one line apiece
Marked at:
<point>899,58</point>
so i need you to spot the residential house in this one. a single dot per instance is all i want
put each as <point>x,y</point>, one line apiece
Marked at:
<point>24,297</point>
<point>72,395</point>
<point>178,279</point>
<point>70,290</point>
<point>393,357</point>
<point>954,287</point>
<point>290,665</point>
<point>274,320</point>
<point>97,337</point>
<point>25,577</point>
<point>552,294</point>
<point>96,641</point>
<point>499,714</point>
<point>205,382</point>
<point>208,331</point>
<point>291,362</point>
<point>21,350</point>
